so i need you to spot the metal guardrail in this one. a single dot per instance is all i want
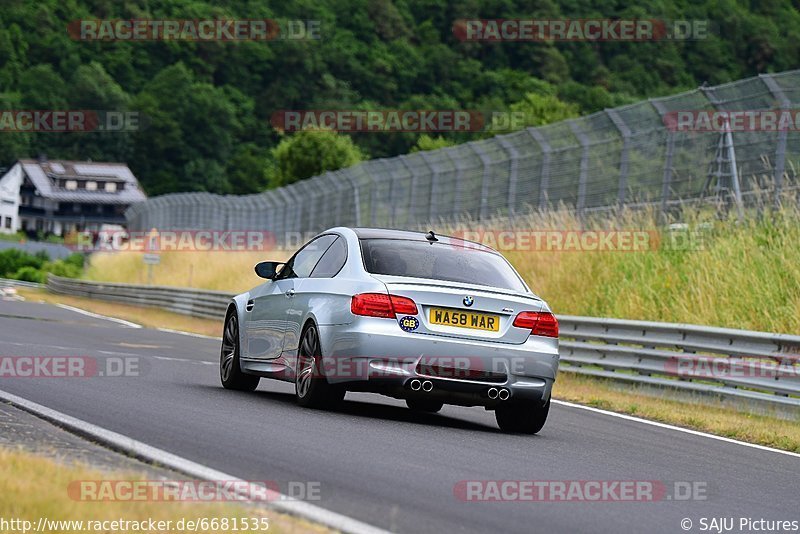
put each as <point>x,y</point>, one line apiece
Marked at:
<point>755,366</point>
<point>10,282</point>
<point>735,363</point>
<point>187,301</point>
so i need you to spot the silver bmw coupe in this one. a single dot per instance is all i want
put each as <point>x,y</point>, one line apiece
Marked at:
<point>429,319</point>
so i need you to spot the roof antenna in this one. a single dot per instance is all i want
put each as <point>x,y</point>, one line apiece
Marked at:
<point>430,236</point>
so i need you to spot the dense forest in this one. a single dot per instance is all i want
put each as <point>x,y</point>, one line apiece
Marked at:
<point>206,106</point>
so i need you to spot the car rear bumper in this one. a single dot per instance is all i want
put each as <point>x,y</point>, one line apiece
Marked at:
<point>373,354</point>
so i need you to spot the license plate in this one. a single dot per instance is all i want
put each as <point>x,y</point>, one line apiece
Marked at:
<point>465,319</point>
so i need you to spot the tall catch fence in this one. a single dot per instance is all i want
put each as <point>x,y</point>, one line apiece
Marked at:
<point>621,157</point>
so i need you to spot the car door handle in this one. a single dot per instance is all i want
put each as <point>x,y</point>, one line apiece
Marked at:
<point>290,293</point>
<point>249,306</point>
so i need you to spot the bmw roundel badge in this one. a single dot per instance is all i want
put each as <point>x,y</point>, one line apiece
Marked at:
<point>468,301</point>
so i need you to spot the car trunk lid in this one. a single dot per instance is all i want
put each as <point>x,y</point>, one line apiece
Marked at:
<point>459,310</point>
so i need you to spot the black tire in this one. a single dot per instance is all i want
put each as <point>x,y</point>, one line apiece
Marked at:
<point>522,417</point>
<point>311,388</point>
<point>424,405</point>
<point>230,372</point>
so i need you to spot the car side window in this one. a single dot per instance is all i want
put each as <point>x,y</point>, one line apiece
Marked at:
<point>304,260</point>
<point>332,261</point>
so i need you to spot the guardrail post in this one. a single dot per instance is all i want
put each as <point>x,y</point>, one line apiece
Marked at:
<point>544,184</point>
<point>666,182</point>
<point>625,132</point>
<point>780,150</point>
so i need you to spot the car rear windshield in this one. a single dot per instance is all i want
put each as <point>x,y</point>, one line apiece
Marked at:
<point>439,261</point>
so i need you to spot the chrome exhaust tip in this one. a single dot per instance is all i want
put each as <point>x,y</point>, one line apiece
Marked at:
<point>415,385</point>
<point>427,386</point>
<point>492,393</point>
<point>503,394</point>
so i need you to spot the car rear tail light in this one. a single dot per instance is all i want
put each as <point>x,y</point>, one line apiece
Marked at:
<point>539,323</point>
<point>403,305</point>
<point>381,305</point>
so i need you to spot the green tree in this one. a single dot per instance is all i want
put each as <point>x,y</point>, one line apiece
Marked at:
<point>538,109</point>
<point>426,142</point>
<point>309,153</point>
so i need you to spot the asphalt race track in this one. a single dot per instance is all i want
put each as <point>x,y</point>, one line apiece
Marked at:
<point>375,460</point>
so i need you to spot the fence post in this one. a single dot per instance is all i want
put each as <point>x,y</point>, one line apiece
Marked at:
<point>485,180</point>
<point>544,184</point>
<point>667,180</point>
<point>780,150</point>
<point>297,214</point>
<point>306,194</point>
<point>373,193</point>
<point>336,181</point>
<point>434,179</point>
<point>625,132</point>
<point>266,199</point>
<point>513,164</point>
<point>287,202</point>
<point>726,153</point>
<point>388,175</point>
<point>411,212</point>
<point>356,196</point>
<point>459,178</point>
<point>583,139</point>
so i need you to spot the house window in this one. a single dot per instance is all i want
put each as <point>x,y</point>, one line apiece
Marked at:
<point>111,187</point>
<point>72,185</point>
<point>7,222</point>
<point>91,185</point>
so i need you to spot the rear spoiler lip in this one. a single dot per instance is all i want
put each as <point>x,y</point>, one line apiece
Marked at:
<point>397,281</point>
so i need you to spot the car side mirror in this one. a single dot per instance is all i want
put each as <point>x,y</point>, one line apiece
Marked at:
<point>267,269</point>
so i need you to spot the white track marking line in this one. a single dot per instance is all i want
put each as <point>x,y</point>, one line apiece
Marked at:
<point>191,334</point>
<point>676,428</point>
<point>98,316</point>
<point>139,449</point>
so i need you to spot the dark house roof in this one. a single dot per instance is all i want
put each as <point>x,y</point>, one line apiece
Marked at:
<point>44,176</point>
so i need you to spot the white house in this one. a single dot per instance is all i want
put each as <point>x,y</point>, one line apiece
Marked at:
<point>58,197</point>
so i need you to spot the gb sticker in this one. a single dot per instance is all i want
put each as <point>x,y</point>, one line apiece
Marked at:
<point>409,323</point>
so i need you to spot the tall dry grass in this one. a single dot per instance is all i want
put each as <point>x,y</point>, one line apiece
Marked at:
<point>224,271</point>
<point>710,271</point>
